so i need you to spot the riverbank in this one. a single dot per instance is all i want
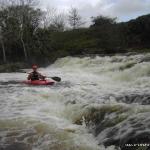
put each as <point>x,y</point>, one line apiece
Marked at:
<point>12,67</point>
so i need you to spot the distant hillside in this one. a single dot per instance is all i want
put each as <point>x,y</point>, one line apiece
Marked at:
<point>104,36</point>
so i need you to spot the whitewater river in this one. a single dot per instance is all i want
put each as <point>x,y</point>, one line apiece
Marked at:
<point>102,103</point>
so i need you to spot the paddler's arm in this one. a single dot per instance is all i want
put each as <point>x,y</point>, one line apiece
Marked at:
<point>29,76</point>
<point>41,76</point>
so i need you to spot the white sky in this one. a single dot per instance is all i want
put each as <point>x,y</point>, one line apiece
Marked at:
<point>122,9</point>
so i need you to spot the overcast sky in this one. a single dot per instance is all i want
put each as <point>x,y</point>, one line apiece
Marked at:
<point>124,10</point>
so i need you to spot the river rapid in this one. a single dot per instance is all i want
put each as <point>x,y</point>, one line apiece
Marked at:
<point>102,103</point>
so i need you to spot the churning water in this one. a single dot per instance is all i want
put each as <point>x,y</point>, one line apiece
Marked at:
<point>102,103</point>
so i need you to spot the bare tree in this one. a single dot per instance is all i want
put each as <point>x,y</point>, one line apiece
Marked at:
<point>16,9</point>
<point>74,18</point>
<point>2,25</point>
<point>23,12</point>
<point>22,41</point>
<point>48,16</point>
<point>53,19</point>
<point>21,2</point>
<point>3,4</point>
<point>58,22</point>
<point>22,25</point>
<point>3,47</point>
<point>21,19</point>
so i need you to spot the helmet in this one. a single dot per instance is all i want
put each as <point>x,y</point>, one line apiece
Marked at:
<point>34,66</point>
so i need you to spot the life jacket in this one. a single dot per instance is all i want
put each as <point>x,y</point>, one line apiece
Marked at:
<point>34,75</point>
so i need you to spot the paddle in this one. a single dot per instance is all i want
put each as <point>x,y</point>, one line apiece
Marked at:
<point>58,79</point>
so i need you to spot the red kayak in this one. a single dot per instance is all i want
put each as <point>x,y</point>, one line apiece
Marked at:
<point>39,82</point>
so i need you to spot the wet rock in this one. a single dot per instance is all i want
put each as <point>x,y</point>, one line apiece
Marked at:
<point>142,140</point>
<point>127,66</point>
<point>146,59</point>
<point>129,98</point>
<point>17,146</point>
<point>131,53</point>
<point>117,125</point>
<point>70,102</point>
<point>100,117</point>
<point>143,99</point>
<point>127,135</point>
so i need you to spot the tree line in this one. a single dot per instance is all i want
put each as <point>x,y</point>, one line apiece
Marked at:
<point>29,34</point>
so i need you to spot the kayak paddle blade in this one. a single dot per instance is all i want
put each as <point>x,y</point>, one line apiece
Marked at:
<point>58,79</point>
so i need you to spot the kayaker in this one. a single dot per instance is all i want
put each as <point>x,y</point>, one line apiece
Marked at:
<point>35,75</point>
